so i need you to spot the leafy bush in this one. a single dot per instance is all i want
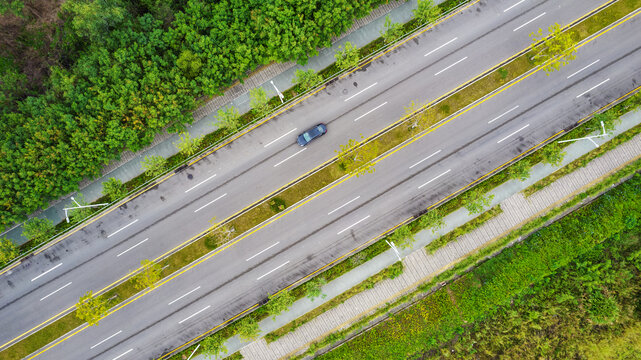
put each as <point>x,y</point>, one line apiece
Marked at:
<point>391,31</point>
<point>426,11</point>
<point>258,101</point>
<point>37,229</point>
<point>8,251</point>
<point>114,189</point>
<point>154,165</point>
<point>306,79</point>
<point>347,56</point>
<point>188,145</point>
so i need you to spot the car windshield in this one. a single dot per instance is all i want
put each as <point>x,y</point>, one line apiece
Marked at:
<point>307,137</point>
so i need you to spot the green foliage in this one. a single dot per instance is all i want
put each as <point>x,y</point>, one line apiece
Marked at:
<point>258,101</point>
<point>347,56</point>
<point>553,154</point>
<point>313,288</point>
<point>93,19</point>
<point>356,158</point>
<point>463,229</point>
<point>13,6</point>
<point>490,291</point>
<point>503,73</point>
<point>426,12</point>
<point>228,118</point>
<point>247,329</point>
<point>432,219</point>
<point>189,63</point>
<point>557,50</point>
<point>402,237</point>
<point>149,275</point>
<point>307,79</point>
<point>154,165</point>
<point>279,303</point>
<point>8,251</point>
<point>476,202</point>
<point>37,230</point>
<point>188,145</point>
<point>91,309</point>
<point>114,189</point>
<point>391,31</point>
<point>277,205</point>
<point>520,170</point>
<point>128,76</point>
<point>213,346</point>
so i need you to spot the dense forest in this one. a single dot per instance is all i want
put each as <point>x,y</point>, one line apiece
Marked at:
<point>83,80</point>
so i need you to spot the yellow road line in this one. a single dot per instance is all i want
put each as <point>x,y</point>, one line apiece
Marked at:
<point>322,192</point>
<point>449,196</point>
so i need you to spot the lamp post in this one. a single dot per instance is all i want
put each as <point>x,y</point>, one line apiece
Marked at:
<point>590,137</point>
<point>79,207</point>
<point>391,244</point>
<point>280,94</point>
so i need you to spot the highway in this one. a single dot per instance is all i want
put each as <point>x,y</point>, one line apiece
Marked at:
<point>263,160</point>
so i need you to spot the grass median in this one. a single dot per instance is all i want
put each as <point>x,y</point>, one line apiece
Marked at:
<point>387,139</point>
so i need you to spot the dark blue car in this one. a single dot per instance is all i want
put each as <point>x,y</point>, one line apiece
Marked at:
<point>311,134</point>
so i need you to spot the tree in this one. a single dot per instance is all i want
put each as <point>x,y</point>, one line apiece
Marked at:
<point>610,121</point>
<point>91,309</point>
<point>279,303</point>
<point>213,346</point>
<point>475,202</point>
<point>247,329</point>
<point>556,50</point>
<point>189,63</point>
<point>391,31</point>
<point>313,288</point>
<point>258,101</point>
<point>114,189</point>
<point>8,251</point>
<point>356,158</point>
<point>148,276</point>
<point>37,230</point>
<point>93,18</point>
<point>188,145</point>
<point>228,118</point>
<point>553,154</point>
<point>402,237</point>
<point>426,12</point>
<point>432,219</point>
<point>306,79</point>
<point>347,56</point>
<point>154,165</point>
<point>519,170</point>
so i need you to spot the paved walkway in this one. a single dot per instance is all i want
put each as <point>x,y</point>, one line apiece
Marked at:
<point>420,266</point>
<point>362,32</point>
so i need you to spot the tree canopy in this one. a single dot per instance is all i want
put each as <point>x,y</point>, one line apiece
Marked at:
<point>119,72</point>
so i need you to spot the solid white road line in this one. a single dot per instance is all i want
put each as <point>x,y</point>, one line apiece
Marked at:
<point>448,170</point>
<point>280,266</point>
<point>367,113</point>
<point>354,224</point>
<point>583,68</point>
<point>64,286</point>
<point>440,47</point>
<point>194,314</point>
<point>184,295</point>
<point>35,278</point>
<point>123,354</point>
<point>106,339</point>
<point>280,137</point>
<point>510,8</point>
<point>592,88</point>
<point>200,183</point>
<point>132,247</point>
<point>342,206</point>
<point>211,202</point>
<point>271,246</point>
<point>291,156</point>
<point>447,68</point>
<point>505,113</point>
<point>122,228</point>
<point>361,91</point>
<point>438,151</point>
<point>528,22</point>
<point>498,142</point>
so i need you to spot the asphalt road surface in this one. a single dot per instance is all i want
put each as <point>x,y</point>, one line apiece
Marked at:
<point>264,160</point>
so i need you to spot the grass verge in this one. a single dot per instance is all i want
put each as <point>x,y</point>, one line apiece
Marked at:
<point>463,229</point>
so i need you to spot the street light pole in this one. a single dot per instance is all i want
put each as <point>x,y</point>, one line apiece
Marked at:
<point>391,244</point>
<point>590,137</point>
<point>280,94</point>
<point>79,207</point>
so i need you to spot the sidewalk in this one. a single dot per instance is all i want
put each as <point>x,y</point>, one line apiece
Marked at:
<point>362,32</point>
<point>420,266</point>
